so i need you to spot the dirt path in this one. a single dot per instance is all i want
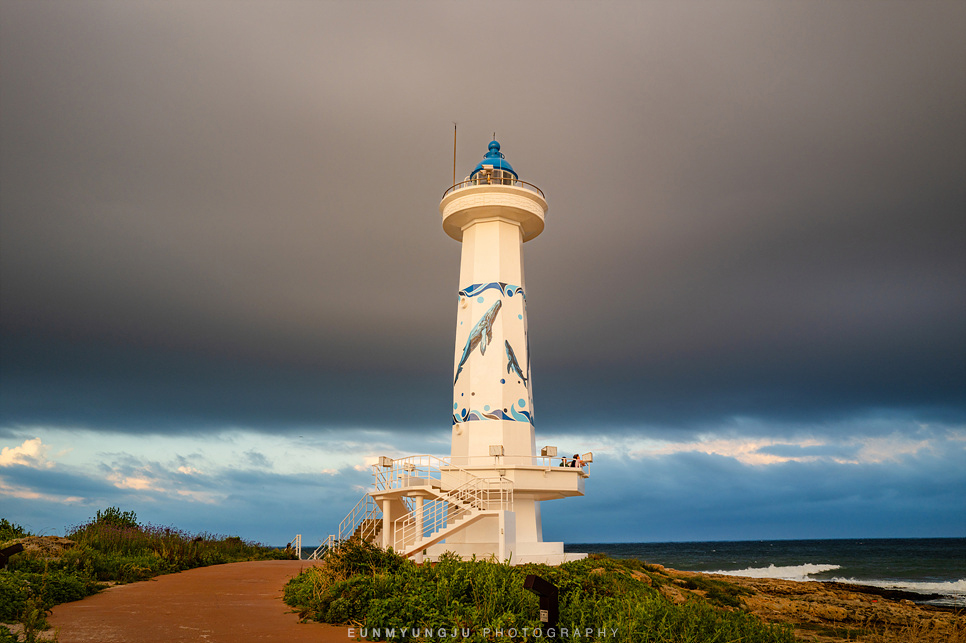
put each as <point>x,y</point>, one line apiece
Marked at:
<point>236,603</point>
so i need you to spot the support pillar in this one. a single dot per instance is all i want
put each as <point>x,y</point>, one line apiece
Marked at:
<point>386,523</point>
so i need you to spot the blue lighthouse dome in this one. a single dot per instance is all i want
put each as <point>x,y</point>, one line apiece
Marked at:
<point>495,159</point>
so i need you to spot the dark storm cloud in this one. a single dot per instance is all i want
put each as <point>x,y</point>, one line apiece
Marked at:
<point>96,384</point>
<point>219,214</point>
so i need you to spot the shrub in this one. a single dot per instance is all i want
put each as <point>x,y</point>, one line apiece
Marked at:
<point>18,589</point>
<point>9,530</point>
<point>117,518</point>
<point>355,584</point>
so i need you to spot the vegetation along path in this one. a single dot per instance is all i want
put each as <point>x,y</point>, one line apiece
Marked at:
<point>233,603</point>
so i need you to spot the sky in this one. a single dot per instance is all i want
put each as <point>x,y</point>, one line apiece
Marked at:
<point>225,289</point>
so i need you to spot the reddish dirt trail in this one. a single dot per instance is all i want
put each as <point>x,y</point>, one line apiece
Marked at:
<point>235,603</point>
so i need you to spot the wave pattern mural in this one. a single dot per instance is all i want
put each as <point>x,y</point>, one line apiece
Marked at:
<point>508,290</point>
<point>498,414</point>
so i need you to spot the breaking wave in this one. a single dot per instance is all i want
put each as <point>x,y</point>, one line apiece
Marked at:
<point>793,572</point>
<point>954,592</point>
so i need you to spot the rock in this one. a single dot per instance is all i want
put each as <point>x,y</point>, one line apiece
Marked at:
<point>641,576</point>
<point>47,546</point>
<point>673,594</point>
<point>833,612</point>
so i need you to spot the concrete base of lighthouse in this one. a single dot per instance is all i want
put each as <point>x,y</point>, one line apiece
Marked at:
<point>517,536</point>
<point>516,553</point>
<point>508,550</point>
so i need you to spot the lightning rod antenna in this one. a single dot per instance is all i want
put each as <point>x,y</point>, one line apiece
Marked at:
<point>454,152</point>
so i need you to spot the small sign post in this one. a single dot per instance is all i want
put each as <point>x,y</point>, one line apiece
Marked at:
<point>547,591</point>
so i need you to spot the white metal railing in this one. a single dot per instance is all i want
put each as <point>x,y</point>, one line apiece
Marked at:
<point>418,471</point>
<point>484,178</point>
<point>473,495</point>
<point>365,509</point>
<point>320,552</point>
<point>296,544</point>
<point>490,461</point>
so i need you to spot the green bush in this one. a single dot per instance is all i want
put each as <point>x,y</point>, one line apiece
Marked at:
<point>117,518</point>
<point>358,584</point>
<point>9,530</point>
<point>52,588</point>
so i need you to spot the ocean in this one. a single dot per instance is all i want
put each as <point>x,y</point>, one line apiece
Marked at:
<point>923,565</point>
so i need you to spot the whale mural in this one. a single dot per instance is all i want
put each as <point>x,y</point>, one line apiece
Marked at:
<point>481,335</point>
<point>512,365</point>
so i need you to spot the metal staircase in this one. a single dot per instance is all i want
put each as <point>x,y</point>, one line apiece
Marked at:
<point>447,512</point>
<point>364,521</point>
<point>432,499</point>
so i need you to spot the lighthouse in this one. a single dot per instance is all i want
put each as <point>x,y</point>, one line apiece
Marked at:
<point>484,500</point>
<point>493,213</point>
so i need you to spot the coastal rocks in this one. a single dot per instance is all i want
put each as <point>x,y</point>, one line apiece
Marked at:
<point>832,613</point>
<point>837,612</point>
<point>819,612</point>
<point>46,546</point>
<point>674,594</point>
<point>644,578</point>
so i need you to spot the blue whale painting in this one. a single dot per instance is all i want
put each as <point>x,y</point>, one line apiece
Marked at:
<point>482,335</point>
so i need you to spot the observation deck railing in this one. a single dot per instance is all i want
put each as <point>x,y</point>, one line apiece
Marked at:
<point>416,470</point>
<point>477,461</point>
<point>488,179</point>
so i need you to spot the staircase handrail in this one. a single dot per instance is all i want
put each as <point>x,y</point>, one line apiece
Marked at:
<point>324,548</point>
<point>365,508</point>
<point>475,494</point>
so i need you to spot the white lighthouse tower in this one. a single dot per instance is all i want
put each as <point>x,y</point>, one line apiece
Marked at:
<point>485,499</point>
<point>493,213</point>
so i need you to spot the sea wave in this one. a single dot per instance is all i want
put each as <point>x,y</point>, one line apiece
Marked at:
<point>792,572</point>
<point>954,590</point>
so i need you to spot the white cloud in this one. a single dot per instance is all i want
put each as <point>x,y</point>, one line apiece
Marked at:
<point>32,453</point>
<point>136,482</point>
<point>763,451</point>
<point>891,448</point>
<point>745,450</point>
<point>23,493</point>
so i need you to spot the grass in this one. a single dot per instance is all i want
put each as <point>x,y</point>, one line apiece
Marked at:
<point>920,632</point>
<point>111,548</point>
<point>359,584</point>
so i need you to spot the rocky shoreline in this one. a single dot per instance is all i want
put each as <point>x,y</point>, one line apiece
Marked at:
<point>830,611</point>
